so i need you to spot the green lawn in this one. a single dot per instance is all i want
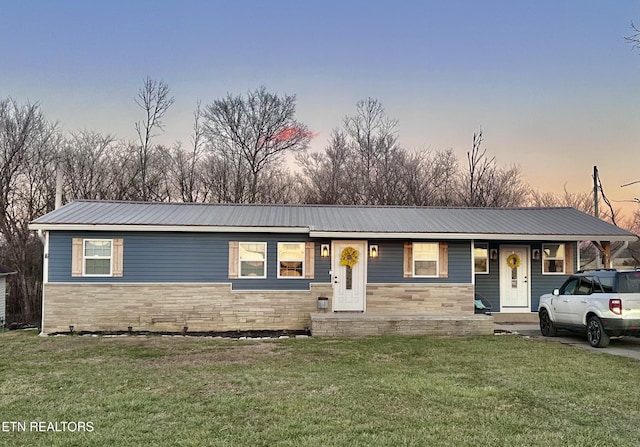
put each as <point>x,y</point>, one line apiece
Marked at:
<point>388,391</point>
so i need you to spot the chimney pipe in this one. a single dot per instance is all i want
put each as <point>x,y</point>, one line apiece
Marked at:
<point>59,180</point>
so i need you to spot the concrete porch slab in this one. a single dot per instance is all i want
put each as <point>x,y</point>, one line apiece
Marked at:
<point>367,324</point>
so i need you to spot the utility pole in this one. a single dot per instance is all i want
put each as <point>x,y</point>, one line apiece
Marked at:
<point>595,192</point>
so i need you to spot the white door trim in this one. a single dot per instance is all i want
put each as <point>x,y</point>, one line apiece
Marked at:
<point>505,251</point>
<point>336,276</point>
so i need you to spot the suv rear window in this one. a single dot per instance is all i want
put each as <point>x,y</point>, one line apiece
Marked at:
<point>629,282</point>
<point>607,283</point>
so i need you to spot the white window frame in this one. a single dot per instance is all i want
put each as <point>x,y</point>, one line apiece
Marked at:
<point>484,245</point>
<point>546,258</point>
<point>304,248</point>
<point>240,260</point>
<point>85,258</point>
<point>414,259</point>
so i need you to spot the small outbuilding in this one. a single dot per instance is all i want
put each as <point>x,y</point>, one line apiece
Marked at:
<point>4,272</point>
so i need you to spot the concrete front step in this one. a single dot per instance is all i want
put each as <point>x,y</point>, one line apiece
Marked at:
<point>367,324</point>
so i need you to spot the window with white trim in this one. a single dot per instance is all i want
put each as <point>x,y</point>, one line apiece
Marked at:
<point>553,259</point>
<point>97,257</point>
<point>481,257</point>
<point>291,259</point>
<point>425,259</point>
<point>252,257</point>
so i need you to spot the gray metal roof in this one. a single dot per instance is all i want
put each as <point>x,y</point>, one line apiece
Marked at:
<point>101,215</point>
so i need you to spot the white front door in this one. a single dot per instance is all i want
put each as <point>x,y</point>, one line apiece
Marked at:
<point>514,279</point>
<point>349,282</point>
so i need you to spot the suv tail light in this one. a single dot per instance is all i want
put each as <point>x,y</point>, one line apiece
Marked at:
<point>615,306</point>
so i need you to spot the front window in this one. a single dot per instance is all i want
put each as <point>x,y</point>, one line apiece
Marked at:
<point>481,257</point>
<point>253,259</point>
<point>97,256</point>
<point>425,259</point>
<point>553,258</point>
<point>291,259</point>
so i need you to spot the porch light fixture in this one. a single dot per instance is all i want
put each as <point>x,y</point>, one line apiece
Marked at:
<point>373,251</point>
<point>324,250</point>
<point>535,254</point>
<point>494,254</point>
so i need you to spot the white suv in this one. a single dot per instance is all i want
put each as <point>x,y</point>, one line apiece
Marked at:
<point>603,303</point>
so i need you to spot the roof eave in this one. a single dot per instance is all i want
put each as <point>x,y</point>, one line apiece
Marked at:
<point>329,234</point>
<point>467,236</point>
<point>165,228</point>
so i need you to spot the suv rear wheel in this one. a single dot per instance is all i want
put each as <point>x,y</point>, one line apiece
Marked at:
<point>547,328</point>
<point>596,335</point>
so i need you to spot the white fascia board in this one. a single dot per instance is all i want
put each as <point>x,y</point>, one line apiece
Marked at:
<point>465,236</point>
<point>167,228</point>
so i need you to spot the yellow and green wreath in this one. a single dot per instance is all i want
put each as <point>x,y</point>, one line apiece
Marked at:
<point>349,257</point>
<point>513,261</point>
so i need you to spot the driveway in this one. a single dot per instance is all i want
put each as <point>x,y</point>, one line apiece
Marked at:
<point>626,346</point>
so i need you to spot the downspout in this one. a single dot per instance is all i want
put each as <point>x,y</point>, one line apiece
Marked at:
<point>44,238</point>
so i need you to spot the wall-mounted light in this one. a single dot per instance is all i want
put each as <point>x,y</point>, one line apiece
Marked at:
<point>535,254</point>
<point>494,254</point>
<point>373,251</point>
<point>324,250</point>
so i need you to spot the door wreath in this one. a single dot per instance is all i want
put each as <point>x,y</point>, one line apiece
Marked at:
<point>349,257</point>
<point>513,261</point>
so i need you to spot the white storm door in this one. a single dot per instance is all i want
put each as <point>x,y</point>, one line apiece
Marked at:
<point>514,279</point>
<point>349,283</point>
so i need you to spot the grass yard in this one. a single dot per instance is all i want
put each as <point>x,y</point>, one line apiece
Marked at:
<point>387,391</point>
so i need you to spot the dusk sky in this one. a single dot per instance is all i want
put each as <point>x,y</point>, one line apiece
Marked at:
<point>553,83</point>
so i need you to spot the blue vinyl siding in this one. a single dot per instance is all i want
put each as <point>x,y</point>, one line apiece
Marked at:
<point>489,284</point>
<point>204,258</point>
<point>541,284</point>
<point>388,267</point>
<point>182,257</point>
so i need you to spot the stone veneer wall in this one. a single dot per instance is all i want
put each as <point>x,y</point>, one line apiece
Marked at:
<point>215,307</point>
<point>425,299</point>
<point>171,307</point>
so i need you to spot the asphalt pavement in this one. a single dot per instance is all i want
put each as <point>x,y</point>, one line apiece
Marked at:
<point>625,346</point>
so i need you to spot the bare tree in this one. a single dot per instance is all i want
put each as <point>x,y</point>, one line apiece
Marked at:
<point>581,201</point>
<point>634,39</point>
<point>27,164</point>
<point>325,178</point>
<point>154,99</point>
<point>250,134</point>
<point>480,173</point>
<point>634,223</point>
<point>484,184</point>
<point>87,159</point>
<point>429,178</point>
<point>364,164</point>
<point>280,186</point>
<point>184,168</point>
<point>373,140</point>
